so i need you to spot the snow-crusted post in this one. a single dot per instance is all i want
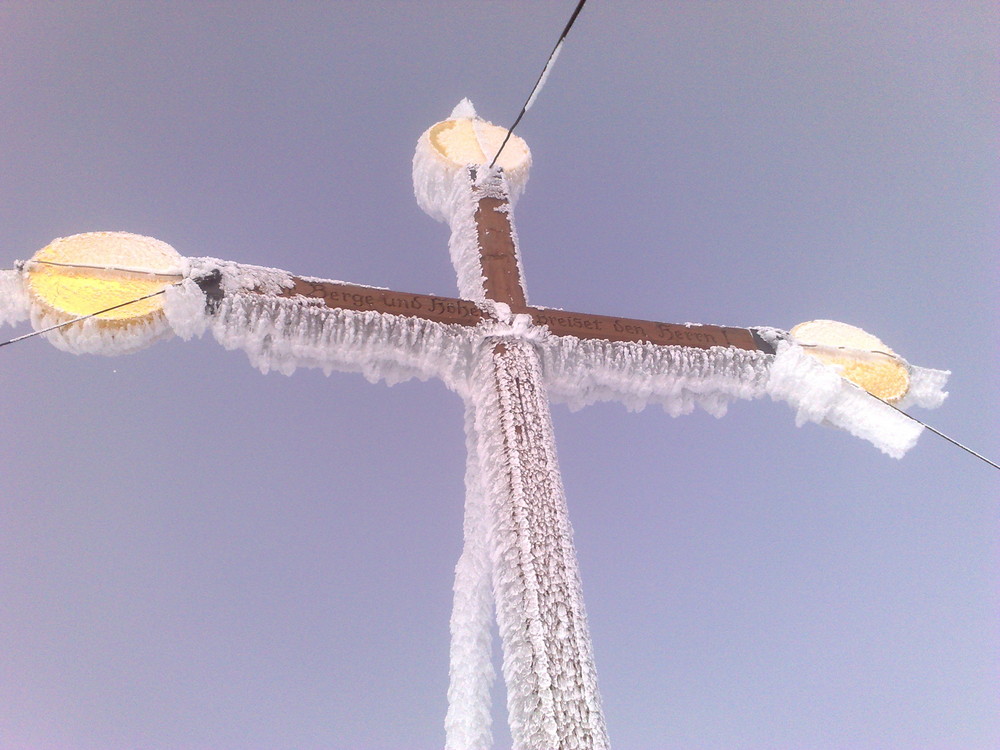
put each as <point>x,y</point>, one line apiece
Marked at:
<point>516,507</point>
<point>548,663</point>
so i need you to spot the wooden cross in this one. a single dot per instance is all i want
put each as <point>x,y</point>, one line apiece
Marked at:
<point>549,669</point>
<point>502,355</point>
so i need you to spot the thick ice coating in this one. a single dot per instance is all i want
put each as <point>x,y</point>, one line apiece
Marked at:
<point>819,393</point>
<point>13,297</point>
<point>284,333</point>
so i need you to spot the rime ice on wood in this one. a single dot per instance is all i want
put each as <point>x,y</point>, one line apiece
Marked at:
<point>286,333</point>
<point>818,393</point>
<point>496,352</point>
<point>548,666</point>
<point>14,306</point>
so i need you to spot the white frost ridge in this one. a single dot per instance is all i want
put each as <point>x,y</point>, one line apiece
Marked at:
<point>548,664</point>
<point>13,297</point>
<point>282,333</point>
<point>819,394</point>
<point>285,333</point>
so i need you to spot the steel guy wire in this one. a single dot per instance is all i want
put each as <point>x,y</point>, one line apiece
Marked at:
<point>541,78</point>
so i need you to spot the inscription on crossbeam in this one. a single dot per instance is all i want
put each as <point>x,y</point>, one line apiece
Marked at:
<point>559,322</point>
<point>372,299</point>
<point>588,326</point>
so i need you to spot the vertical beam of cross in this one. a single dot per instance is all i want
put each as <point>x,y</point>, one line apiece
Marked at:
<point>498,256</point>
<point>548,664</point>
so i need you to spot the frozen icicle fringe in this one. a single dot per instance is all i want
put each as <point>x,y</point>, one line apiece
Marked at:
<point>469,719</point>
<point>819,394</point>
<point>579,372</point>
<point>13,297</point>
<point>286,333</point>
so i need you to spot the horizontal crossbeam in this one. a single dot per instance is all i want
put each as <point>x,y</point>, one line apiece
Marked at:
<point>453,310</point>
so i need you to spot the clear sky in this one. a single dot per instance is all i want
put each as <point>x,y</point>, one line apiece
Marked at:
<point>195,556</point>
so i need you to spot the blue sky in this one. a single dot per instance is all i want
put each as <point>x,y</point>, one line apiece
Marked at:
<point>195,555</point>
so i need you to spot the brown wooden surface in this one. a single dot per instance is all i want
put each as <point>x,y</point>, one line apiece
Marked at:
<point>559,322</point>
<point>366,298</point>
<point>498,254</point>
<point>586,326</point>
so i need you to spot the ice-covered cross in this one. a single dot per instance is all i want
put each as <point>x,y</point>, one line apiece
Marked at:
<point>507,360</point>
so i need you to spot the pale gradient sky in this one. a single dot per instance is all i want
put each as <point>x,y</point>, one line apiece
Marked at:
<point>195,556</point>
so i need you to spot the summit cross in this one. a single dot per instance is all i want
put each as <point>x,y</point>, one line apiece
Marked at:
<point>506,359</point>
<point>520,543</point>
